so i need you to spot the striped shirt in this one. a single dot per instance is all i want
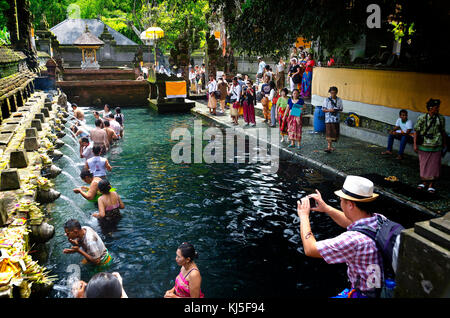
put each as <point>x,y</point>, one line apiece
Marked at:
<point>358,251</point>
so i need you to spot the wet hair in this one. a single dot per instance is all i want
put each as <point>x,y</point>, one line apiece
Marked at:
<point>118,111</point>
<point>85,139</point>
<point>74,105</point>
<point>433,102</point>
<point>96,113</point>
<point>86,173</point>
<point>403,111</point>
<point>72,224</point>
<point>106,123</point>
<point>111,115</point>
<point>188,250</point>
<point>103,285</point>
<point>104,186</point>
<point>98,122</point>
<point>285,90</point>
<point>96,150</point>
<point>272,84</point>
<point>333,88</point>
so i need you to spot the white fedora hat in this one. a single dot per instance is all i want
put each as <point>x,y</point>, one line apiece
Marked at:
<point>357,188</point>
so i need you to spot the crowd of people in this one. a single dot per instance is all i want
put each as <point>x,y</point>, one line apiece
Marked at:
<point>285,107</point>
<point>94,144</point>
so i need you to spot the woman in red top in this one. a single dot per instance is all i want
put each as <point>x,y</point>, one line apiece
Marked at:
<point>188,281</point>
<point>307,76</point>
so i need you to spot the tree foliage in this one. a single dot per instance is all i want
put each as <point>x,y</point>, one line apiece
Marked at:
<point>270,27</point>
<point>173,16</point>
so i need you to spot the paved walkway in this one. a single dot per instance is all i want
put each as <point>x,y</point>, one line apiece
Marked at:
<point>356,157</point>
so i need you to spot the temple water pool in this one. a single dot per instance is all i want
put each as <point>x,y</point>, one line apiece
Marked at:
<point>242,221</point>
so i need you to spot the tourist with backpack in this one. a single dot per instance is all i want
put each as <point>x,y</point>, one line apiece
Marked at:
<point>370,245</point>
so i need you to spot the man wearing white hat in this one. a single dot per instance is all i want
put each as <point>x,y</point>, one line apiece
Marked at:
<point>357,250</point>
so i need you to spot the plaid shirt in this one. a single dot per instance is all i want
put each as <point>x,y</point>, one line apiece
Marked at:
<point>358,251</point>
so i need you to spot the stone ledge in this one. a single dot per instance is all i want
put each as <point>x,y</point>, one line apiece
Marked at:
<point>434,235</point>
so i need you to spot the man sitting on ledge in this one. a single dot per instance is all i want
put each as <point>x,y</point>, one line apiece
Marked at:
<point>403,131</point>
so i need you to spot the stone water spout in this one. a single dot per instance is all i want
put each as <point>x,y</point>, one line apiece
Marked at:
<point>55,154</point>
<point>47,196</point>
<point>42,233</point>
<point>58,143</point>
<point>60,134</point>
<point>50,171</point>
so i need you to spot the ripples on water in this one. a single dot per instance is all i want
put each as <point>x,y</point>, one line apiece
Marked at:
<point>242,221</point>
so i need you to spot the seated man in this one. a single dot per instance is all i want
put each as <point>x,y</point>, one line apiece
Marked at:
<point>90,193</point>
<point>357,250</point>
<point>402,131</point>
<point>86,241</point>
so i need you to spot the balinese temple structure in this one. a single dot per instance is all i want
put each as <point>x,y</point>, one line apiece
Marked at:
<point>89,44</point>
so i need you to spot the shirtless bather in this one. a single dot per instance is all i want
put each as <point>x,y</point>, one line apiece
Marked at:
<point>78,113</point>
<point>110,133</point>
<point>99,136</point>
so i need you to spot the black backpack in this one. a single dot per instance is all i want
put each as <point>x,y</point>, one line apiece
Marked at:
<point>385,238</point>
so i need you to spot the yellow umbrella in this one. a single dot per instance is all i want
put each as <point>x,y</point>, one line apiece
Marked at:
<point>152,33</point>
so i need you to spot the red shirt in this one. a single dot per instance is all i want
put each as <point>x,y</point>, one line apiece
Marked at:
<point>309,65</point>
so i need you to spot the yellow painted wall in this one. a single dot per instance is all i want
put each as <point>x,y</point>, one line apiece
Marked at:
<point>409,90</point>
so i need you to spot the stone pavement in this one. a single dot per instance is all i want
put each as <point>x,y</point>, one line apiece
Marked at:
<point>355,157</point>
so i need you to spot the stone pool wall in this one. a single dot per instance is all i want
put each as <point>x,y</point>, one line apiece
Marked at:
<point>31,136</point>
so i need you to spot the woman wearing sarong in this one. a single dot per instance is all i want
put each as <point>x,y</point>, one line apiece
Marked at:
<point>189,280</point>
<point>307,76</point>
<point>331,107</point>
<point>295,121</point>
<point>265,102</point>
<point>212,101</point>
<point>432,127</point>
<point>282,104</point>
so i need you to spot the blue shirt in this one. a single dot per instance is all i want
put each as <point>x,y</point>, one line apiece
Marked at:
<point>301,102</point>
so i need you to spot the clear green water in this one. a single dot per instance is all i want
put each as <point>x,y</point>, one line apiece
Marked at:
<point>242,222</point>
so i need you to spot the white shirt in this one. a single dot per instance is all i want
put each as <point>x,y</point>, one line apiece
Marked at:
<point>261,67</point>
<point>105,115</point>
<point>272,94</point>
<point>115,126</point>
<point>87,152</point>
<point>235,92</point>
<point>280,67</point>
<point>97,165</point>
<point>92,244</point>
<point>404,126</point>
<point>212,86</point>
